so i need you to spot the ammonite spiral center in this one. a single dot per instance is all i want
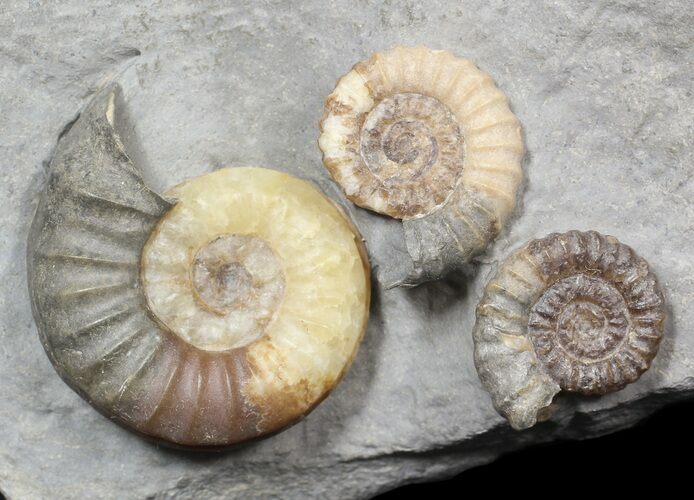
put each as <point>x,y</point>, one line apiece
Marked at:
<point>405,142</point>
<point>584,316</point>
<point>401,137</point>
<point>223,295</point>
<point>412,148</point>
<point>581,328</point>
<point>221,279</point>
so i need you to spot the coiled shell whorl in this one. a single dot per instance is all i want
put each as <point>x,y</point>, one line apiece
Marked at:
<point>223,317</point>
<point>425,137</point>
<point>578,312</point>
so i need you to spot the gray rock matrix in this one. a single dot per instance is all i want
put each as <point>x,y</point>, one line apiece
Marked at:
<point>603,90</point>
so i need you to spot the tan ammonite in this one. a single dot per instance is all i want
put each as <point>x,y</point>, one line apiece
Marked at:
<point>222,317</point>
<point>577,312</point>
<point>423,136</point>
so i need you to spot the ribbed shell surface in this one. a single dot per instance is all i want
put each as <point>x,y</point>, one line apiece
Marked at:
<point>84,259</point>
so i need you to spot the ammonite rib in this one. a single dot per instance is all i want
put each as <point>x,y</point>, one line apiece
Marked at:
<point>566,312</point>
<point>425,137</point>
<point>102,247</point>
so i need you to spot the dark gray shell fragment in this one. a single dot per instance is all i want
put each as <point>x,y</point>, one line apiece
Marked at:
<point>90,226</point>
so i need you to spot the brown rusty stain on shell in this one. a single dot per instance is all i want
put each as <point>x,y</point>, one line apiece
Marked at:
<point>578,312</point>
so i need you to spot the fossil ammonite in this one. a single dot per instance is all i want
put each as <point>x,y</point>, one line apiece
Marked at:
<point>427,138</point>
<point>222,316</point>
<point>578,312</point>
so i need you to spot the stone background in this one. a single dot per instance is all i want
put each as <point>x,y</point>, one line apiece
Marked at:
<point>604,92</point>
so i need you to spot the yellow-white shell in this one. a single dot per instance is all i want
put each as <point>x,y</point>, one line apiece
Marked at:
<point>476,190</point>
<point>303,320</point>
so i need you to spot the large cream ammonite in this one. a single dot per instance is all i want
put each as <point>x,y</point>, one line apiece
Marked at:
<point>577,312</point>
<point>425,137</point>
<point>221,318</point>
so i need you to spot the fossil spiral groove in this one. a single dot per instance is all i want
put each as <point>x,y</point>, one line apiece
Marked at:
<point>423,136</point>
<point>217,319</point>
<point>578,312</point>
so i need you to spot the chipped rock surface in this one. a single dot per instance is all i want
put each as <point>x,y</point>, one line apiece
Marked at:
<point>603,90</point>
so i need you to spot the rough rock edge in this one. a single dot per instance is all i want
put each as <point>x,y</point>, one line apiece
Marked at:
<point>435,464</point>
<point>418,466</point>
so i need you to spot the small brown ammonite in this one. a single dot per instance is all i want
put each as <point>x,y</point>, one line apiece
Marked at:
<point>223,316</point>
<point>578,312</point>
<point>425,137</point>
